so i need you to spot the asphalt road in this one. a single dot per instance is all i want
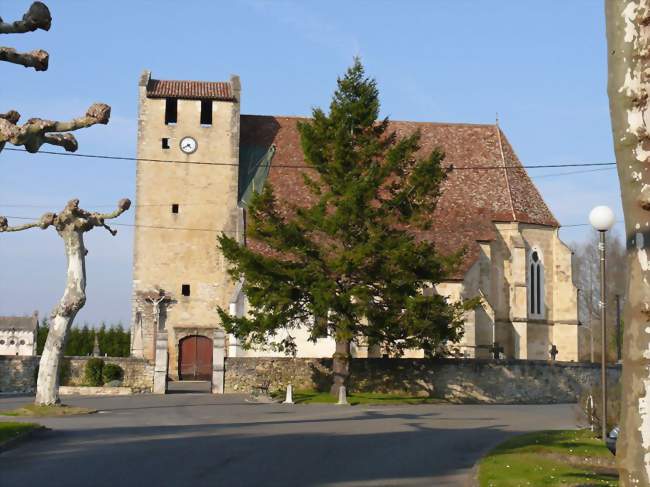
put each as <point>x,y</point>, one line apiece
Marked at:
<point>206,440</point>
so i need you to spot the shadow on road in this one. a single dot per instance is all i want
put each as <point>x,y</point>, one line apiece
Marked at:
<point>209,454</point>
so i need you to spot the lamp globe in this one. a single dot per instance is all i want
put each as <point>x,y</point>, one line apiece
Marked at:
<point>602,218</point>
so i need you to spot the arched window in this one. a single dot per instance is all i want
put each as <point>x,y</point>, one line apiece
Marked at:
<point>535,284</point>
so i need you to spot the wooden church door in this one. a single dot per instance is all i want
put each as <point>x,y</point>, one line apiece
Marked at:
<point>195,358</point>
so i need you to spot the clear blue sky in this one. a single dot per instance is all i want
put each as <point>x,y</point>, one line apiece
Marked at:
<point>540,65</point>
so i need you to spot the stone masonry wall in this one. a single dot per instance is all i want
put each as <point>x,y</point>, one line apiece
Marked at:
<point>138,373</point>
<point>467,381</point>
<point>18,374</point>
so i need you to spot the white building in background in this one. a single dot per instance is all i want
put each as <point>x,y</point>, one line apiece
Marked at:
<point>18,335</point>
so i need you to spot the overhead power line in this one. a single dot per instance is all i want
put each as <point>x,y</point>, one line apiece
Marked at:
<point>304,166</point>
<point>110,205</point>
<point>569,173</point>
<point>160,227</point>
<point>132,225</point>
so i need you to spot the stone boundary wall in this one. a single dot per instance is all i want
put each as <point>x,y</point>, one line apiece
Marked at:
<point>18,373</point>
<point>138,373</point>
<point>463,381</point>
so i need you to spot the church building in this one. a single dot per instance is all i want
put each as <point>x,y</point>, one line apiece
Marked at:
<point>199,162</point>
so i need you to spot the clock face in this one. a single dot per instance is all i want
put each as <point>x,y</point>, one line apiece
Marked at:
<point>188,145</point>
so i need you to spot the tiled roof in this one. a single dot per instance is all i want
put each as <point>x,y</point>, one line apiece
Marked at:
<point>471,199</point>
<point>191,90</point>
<point>29,323</point>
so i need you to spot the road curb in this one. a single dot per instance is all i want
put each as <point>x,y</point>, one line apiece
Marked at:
<point>472,481</point>
<point>19,440</point>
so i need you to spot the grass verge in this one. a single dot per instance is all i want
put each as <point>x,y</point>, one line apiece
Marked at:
<point>32,410</point>
<point>548,459</point>
<point>10,431</point>
<point>312,397</point>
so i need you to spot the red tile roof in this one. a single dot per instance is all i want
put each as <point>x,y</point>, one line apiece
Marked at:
<point>190,90</point>
<point>471,199</point>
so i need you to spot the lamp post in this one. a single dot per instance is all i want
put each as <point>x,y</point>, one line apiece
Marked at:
<point>602,219</point>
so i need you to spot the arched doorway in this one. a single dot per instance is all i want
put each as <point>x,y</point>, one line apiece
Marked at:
<point>195,358</point>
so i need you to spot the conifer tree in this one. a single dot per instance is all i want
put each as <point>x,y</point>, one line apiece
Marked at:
<point>349,265</point>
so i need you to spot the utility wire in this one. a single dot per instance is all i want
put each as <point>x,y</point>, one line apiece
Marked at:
<point>125,158</point>
<point>2,205</point>
<point>568,173</point>
<point>140,226</point>
<point>132,225</point>
<point>304,166</point>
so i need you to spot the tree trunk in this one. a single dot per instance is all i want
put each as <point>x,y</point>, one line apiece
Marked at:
<point>74,297</point>
<point>628,37</point>
<point>340,366</point>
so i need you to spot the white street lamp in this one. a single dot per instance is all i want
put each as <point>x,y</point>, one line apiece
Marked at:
<point>602,219</point>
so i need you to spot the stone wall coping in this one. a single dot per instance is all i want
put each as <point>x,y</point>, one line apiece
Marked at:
<point>72,357</point>
<point>86,357</point>
<point>94,391</point>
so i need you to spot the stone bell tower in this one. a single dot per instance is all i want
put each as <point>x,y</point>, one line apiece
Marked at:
<point>186,194</point>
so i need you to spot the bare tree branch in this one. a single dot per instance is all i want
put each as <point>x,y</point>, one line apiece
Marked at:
<point>98,218</point>
<point>71,218</point>
<point>12,116</point>
<point>122,206</point>
<point>37,59</point>
<point>37,17</point>
<point>36,131</point>
<point>45,221</point>
<point>67,141</point>
<point>82,220</point>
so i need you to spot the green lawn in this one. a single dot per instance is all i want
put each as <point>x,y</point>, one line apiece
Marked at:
<point>549,458</point>
<point>9,431</point>
<point>31,410</point>
<point>312,397</point>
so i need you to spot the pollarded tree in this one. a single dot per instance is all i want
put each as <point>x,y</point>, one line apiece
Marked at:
<point>346,258</point>
<point>70,224</point>
<point>628,40</point>
<point>36,132</point>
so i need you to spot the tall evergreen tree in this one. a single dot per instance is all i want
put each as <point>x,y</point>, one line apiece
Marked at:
<point>350,258</point>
